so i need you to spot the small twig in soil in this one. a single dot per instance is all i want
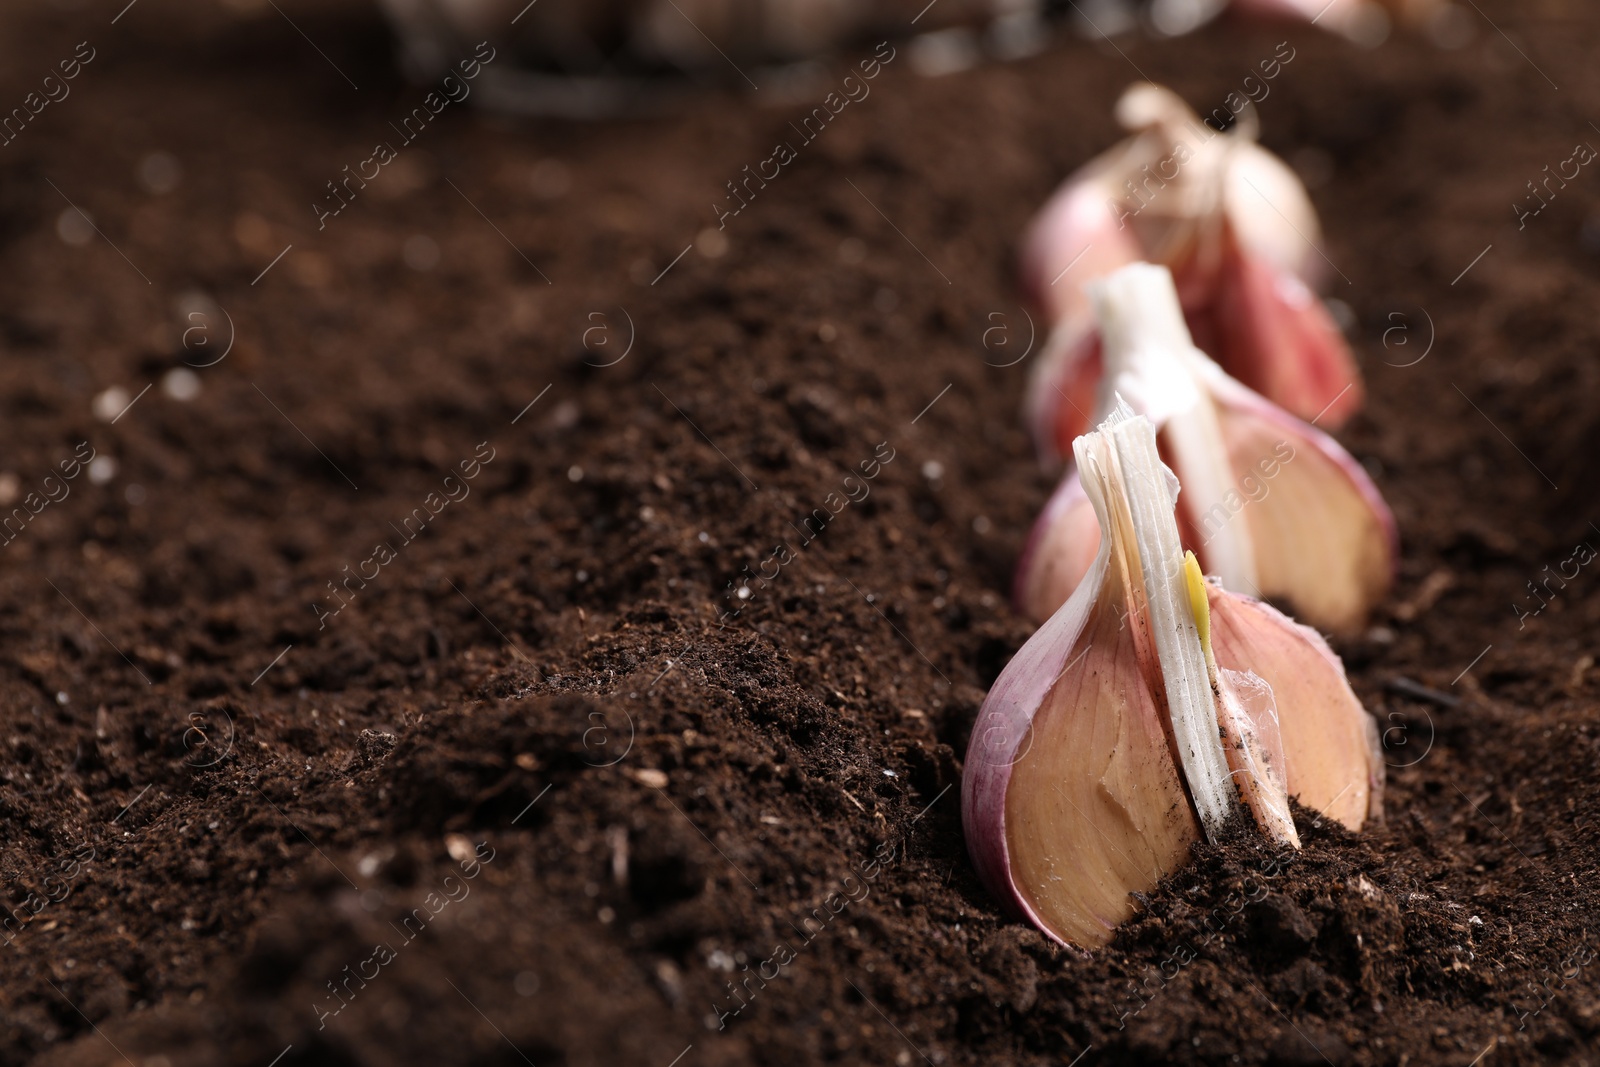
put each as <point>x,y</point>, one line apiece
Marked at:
<point>1417,691</point>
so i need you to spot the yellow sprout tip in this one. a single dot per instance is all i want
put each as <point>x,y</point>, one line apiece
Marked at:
<point>1198,605</point>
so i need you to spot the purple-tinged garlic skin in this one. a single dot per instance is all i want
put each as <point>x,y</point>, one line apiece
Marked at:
<point>1003,735</point>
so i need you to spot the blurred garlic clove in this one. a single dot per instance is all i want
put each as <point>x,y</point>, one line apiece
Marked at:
<point>1322,537</point>
<point>1272,505</point>
<point>1237,229</point>
<point>1262,313</point>
<point>1076,236</point>
<point>1059,552</point>
<point>1366,22</point>
<point>1063,386</point>
<point>1270,213</point>
<point>1142,715</point>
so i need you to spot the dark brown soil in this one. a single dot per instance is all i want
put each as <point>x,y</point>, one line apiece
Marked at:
<point>530,725</point>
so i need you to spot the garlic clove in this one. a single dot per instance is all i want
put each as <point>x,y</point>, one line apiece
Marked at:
<point>1096,759</point>
<point>1331,756</point>
<point>1271,505</point>
<point>1280,339</point>
<point>1095,808</point>
<point>1060,551</point>
<point>1146,712</point>
<point>1322,537</point>
<point>1239,232</point>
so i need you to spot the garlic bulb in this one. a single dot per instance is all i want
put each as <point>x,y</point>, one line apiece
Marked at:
<point>1271,505</point>
<point>1235,226</point>
<point>1148,711</point>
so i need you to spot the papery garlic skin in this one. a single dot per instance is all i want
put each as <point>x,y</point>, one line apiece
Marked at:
<point>1318,536</point>
<point>1147,364</point>
<point>1237,229</point>
<point>1173,626</point>
<point>1247,716</point>
<point>1333,760</point>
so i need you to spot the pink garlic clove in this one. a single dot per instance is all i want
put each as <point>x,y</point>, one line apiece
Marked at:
<point>1060,550</point>
<point>1323,539</point>
<point>1280,339</point>
<point>1272,505</point>
<point>1332,761</point>
<point>1140,717</point>
<point>1238,231</point>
